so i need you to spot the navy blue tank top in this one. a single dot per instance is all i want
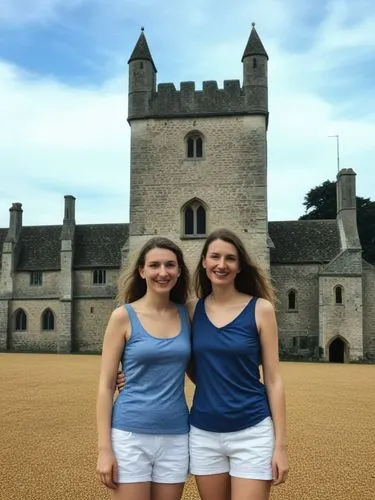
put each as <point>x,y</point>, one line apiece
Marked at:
<point>153,399</point>
<point>229,395</point>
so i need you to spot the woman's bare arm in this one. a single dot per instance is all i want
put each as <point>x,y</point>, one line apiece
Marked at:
<point>113,345</point>
<point>267,325</point>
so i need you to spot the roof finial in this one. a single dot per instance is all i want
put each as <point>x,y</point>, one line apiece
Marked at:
<point>253,24</point>
<point>142,28</point>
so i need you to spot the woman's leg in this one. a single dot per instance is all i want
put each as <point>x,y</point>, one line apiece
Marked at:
<point>132,491</point>
<point>215,486</point>
<point>160,491</point>
<point>209,465</point>
<point>134,466</point>
<point>250,489</point>
<point>250,457</point>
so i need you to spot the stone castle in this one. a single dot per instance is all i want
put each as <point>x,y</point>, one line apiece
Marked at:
<point>198,162</point>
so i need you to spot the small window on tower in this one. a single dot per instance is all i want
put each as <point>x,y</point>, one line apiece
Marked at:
<point>194,219</point>
<point>194,146</point>
<point>254,62</point>
<point>338,294</point>
<point>292,300</point>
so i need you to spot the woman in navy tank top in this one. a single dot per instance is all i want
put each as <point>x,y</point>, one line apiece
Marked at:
<point>238,424</point>
<point>143,436</point>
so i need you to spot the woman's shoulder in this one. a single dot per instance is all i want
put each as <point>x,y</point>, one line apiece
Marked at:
<point>264,308</point>
<point>120,314</point>
<point>264,304</point>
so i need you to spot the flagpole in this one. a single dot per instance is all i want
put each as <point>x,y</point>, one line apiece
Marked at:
<point>337,150</point>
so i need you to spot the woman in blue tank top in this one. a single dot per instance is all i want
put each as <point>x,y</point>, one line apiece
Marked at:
<point>238,425</point>
<point>143,436</point>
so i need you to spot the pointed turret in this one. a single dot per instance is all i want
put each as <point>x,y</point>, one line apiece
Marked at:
<point>254,45</point>
<point>142,79</point>
<point>141,50</point>
<point>255,74</point>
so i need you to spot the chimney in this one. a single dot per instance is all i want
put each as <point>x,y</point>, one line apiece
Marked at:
<point>69,221</point>
<point>69,209</point>
<point>15,222</point>
<point>347,209</point>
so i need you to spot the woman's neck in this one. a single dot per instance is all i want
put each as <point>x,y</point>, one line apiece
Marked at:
<point>223,295</point>
<point>159,302</point>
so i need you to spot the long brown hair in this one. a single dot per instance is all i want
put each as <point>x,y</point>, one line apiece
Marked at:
<point>250,280</point>
<point>132,287</point>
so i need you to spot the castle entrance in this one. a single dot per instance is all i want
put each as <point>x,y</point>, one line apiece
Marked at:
<point>337,351</point>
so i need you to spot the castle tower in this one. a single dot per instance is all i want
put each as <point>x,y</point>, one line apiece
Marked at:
<point>340,282</point>
<point>198,157</point>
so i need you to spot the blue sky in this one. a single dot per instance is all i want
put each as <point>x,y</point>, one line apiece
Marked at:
<point>63,93</point>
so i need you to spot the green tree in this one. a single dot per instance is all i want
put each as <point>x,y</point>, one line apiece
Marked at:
<point>320,203</point>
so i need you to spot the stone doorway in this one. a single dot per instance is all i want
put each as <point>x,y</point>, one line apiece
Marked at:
<point>338,351</point>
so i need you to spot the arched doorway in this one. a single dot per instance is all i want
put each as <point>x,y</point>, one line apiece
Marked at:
<point>337,351</point>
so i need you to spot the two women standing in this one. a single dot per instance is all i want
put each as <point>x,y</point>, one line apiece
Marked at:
<point>237,423</point>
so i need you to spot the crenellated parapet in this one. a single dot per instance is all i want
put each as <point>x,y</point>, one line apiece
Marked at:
<point>232,99</point>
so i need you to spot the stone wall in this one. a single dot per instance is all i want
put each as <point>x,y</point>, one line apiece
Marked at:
<point>34,338</point>
<point>230,179</point>
<point>83,285</point>
<point>369,310</point>
<point>90,319</point>
<point>303,321</point>
<point>50,285</point>
<point>341,320</point>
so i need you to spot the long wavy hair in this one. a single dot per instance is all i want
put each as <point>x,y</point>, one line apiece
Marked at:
<point>132,287</point>
<point>250,280</point>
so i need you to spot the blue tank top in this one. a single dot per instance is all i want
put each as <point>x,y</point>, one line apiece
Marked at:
<point>153,399</point>
<point>229,395</point>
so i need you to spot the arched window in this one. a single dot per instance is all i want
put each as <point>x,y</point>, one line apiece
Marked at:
<point>48,320</point>
<point>20,321</point>
<point>194,219</point>
<point>194,145</point>
<point>292,300</point>
<point>338,294</point>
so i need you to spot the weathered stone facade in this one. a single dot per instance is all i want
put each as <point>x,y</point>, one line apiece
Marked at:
<point>198,162</point>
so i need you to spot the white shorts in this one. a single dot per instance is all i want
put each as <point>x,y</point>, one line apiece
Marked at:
<point>150,457</point>
<point>246,454</point>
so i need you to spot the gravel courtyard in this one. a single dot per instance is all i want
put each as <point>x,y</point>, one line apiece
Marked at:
<point>48,435</point>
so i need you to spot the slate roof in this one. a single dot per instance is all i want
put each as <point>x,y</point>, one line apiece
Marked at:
<point>304,241</point>
<point>95,245</point>
<point>141,50</point>
<point>39,248</point>
<point>3,233</point>
<point>99,245</point>
<point>254,45</point>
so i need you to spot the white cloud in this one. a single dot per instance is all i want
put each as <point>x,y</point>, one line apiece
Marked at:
<point>58,140</point>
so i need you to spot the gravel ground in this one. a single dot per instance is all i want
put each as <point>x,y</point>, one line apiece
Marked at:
<point>48,437</point>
